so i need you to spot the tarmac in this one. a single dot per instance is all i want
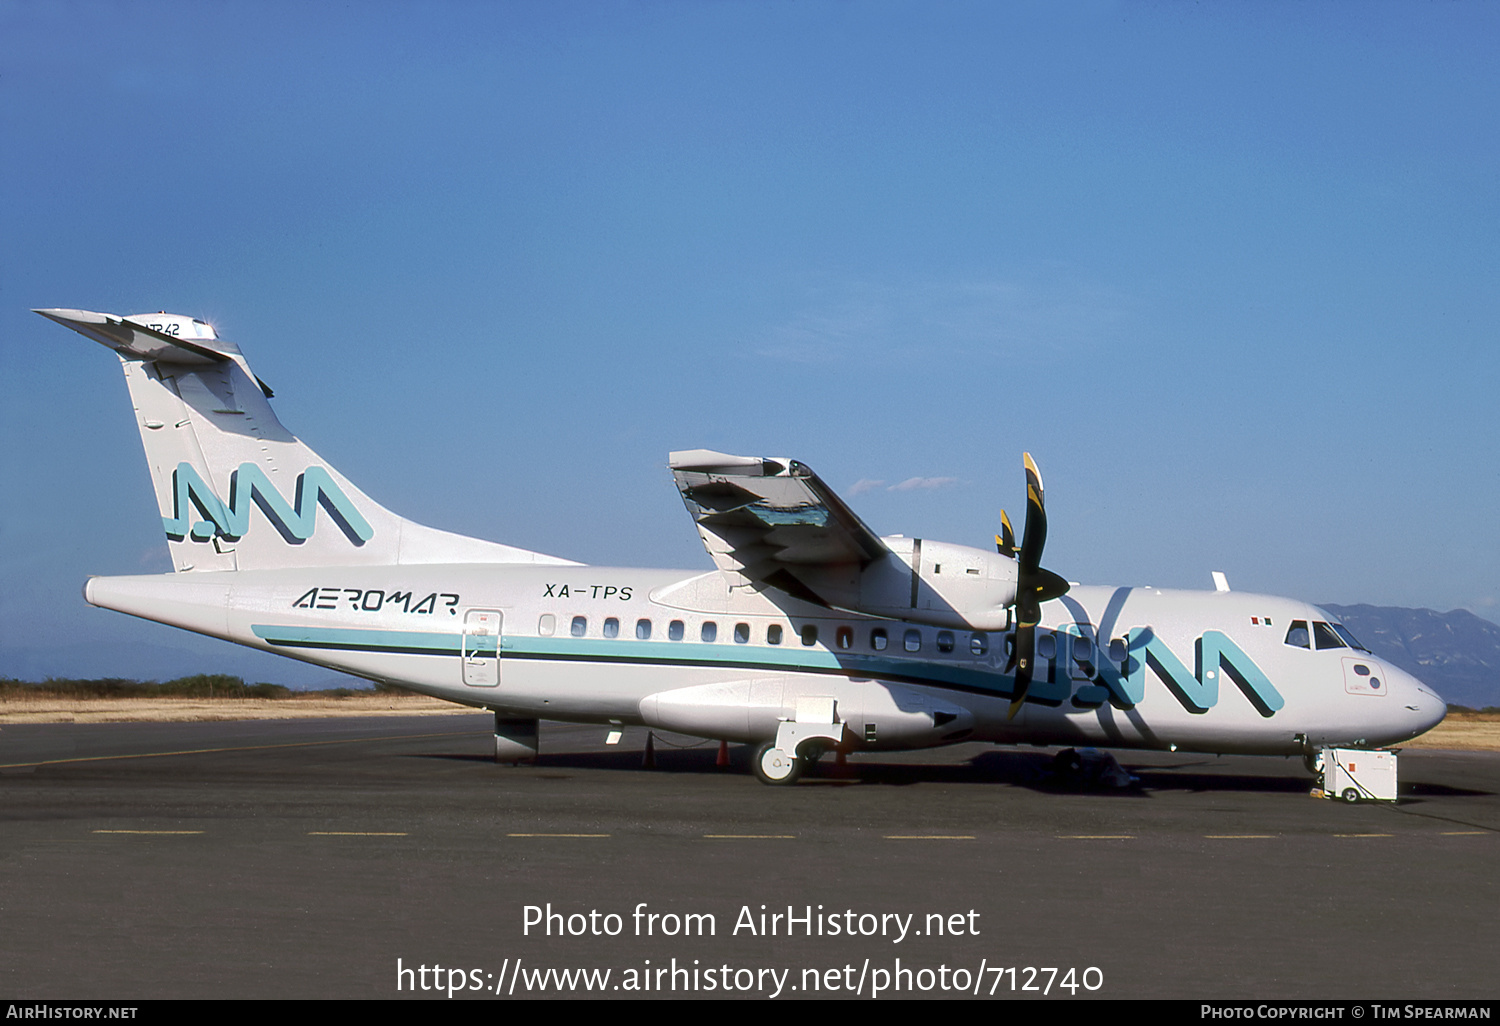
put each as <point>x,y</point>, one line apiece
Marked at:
<point>391,857</point>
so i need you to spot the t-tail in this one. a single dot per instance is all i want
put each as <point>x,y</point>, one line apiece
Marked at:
<point>236,490</point>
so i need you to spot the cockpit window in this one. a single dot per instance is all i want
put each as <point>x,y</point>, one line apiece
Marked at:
<point>1324,636</point>
<point>1349,639</point>
<point>1296,635</point>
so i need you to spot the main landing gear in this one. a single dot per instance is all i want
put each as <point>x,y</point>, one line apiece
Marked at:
<point>799,742</point>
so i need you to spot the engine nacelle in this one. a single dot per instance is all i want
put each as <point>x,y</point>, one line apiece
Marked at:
<point>941,584</point>
<point>874,715</point>
<point>929,582</point>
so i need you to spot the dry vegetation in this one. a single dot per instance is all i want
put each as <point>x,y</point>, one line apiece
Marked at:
<point>39,709</point>
<point>197,699</point>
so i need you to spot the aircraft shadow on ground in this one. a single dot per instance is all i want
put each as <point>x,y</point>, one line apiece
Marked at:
<point>1032,770</point>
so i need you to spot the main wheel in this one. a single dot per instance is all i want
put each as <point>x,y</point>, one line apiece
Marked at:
<point>774,766</point>
<point>1350,795</point>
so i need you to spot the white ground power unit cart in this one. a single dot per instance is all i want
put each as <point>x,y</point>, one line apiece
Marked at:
<point>1355,774</point>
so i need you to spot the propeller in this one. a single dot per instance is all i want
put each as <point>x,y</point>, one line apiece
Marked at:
<point>1033,584</point>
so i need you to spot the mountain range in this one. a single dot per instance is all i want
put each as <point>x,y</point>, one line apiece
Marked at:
<point>1456,653</point>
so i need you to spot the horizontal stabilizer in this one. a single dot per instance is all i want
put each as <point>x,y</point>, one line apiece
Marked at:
<point>164,338</point>
<point>167,338</point>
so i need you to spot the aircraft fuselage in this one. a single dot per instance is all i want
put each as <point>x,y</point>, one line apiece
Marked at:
<point>1116,667</point>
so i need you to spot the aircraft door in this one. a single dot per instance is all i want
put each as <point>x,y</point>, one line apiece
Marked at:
<point>480,655</point>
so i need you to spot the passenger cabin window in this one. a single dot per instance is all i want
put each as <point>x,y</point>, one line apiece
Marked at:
<point>1324,637</point>
<point>1083,656</point>
<point>810,634</point>
<point>547,625</point>
<point>945,641</point>
<point>710,631</point>
<point>1296,635</point>
<point>979,644</point>
<point>674,630</point>
<point>611,627</point>
<point>912,640</point>
<point>580,626</point>
<point>1119,648</point>
<point>845,637</point>
<point>773,634</point>
<point>879,639</point>
<point>741,633</point>
<point>643,630</point>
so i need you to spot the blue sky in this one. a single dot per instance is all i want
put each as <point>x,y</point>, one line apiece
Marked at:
<point>1228,271</point>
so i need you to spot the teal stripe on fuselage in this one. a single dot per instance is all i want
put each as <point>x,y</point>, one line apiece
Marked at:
<point>653,653</point>
<point>349,639</point>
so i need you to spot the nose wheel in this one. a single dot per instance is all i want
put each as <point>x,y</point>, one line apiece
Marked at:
<point>774,765</point>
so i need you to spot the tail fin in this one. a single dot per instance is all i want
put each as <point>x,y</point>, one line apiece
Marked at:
<point>237,490</point>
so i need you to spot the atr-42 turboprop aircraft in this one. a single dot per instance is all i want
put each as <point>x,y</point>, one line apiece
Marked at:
<point>811,633</point>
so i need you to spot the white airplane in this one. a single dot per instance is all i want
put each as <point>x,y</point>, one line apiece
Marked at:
<point>810,634</point>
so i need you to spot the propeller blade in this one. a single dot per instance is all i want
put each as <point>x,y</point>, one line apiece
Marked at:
<point>1036,520</point>
<point>1023,656</point>
<point>1005,541</point>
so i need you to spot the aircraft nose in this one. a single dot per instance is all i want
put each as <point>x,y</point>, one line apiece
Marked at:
<point>1425,705</point>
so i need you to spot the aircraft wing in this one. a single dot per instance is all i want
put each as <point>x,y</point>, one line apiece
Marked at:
<point>773,520</point>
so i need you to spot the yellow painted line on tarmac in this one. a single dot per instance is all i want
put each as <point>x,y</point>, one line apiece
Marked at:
<point>356,833</point>
<point>750,837</point>
<point>1464,833</point>
<point>929,837</point>
<point>238,748</point>
<point>169,832</point>
<point>1096,837</point>
<point>556,835</point>
<point>1239,837</point>
<point>1364,835</point>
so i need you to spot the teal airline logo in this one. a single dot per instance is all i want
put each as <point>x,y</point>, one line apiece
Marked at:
<point>199,513</point>
<point>1215,657</point>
